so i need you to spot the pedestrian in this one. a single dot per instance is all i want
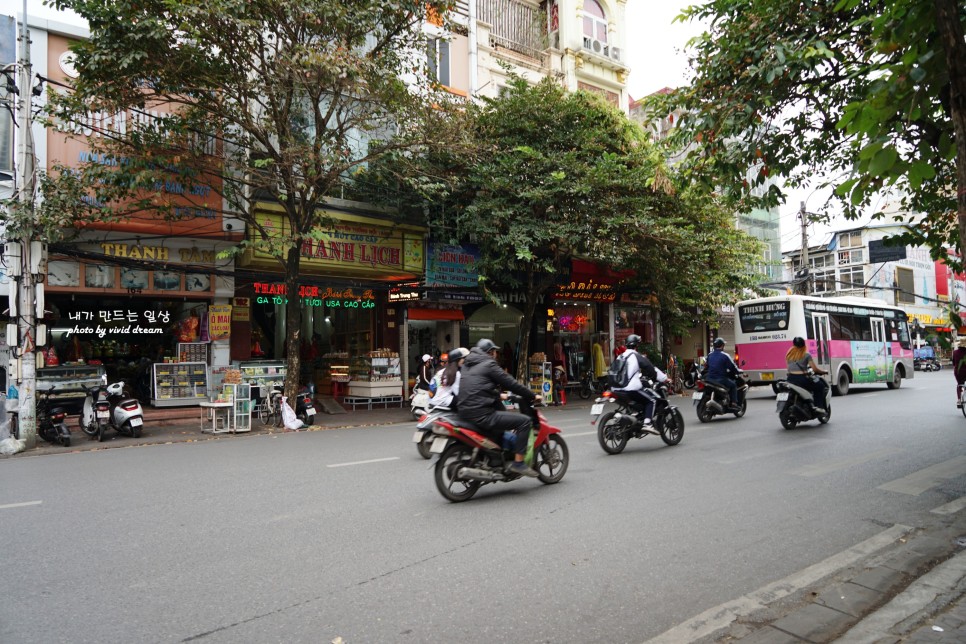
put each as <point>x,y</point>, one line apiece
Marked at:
<point>959,369</point>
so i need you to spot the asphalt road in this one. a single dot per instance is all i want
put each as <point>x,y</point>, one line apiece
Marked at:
<point>314,536</point>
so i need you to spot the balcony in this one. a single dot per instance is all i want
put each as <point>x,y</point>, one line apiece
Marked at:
<point>514,25</point>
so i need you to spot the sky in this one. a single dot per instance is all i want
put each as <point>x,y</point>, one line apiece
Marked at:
<point>655,55</point>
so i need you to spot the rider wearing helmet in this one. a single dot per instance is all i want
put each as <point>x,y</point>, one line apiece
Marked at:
<point>799,361</point>
<point>723,371</point>
<point>481,383</point>
<point>639,367</point>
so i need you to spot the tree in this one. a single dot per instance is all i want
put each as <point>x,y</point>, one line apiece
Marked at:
<point>871,94</point>
<point>277,101</point>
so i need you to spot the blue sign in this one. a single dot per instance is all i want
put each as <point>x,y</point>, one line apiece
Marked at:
<point>449,266</point>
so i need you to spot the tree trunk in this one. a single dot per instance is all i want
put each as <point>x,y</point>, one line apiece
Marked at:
<point>951,34</point>
<point>523,357</point>
<point>293,324</point>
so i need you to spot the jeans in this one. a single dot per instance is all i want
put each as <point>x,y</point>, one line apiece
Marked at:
<point>502,421</point>
<point>732,388</point>
<point>816,386</point>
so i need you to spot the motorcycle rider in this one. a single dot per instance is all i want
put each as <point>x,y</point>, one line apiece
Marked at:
<point>425,375</point>
<point>479,401</point>
<point>799,361</point>
<point>723,371</point>
<point>639,367</point>
<point>449,380</point>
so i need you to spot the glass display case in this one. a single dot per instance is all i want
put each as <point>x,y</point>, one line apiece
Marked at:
<point>179,383</point>
<point>240,412</point>
<point>262,375</point>
<point>333,373</point>
<point>193,352</point>
<point>540,379</point>
<point>72,379</point>
<point>375,374</point>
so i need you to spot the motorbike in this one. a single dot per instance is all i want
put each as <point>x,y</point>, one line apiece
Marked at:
<point>590,386</point>
<point>469,460</point>
<point>127,417</point>
<point>305,405</point>
<point>418,403</point>
<point>423,436</point>
<point>795,405</point>
<point>51,419</point>
<point>95,416</point>
<point>693,376</point>
<point>616,426</point>
<point>712,399</point>
<point>931,364</point>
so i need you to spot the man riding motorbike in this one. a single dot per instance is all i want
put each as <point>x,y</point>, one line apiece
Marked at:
<point>723,371</point>
<point>481,383</point>
<point>638,367</point>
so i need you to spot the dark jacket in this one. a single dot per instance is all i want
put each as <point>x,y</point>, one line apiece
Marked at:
<point>721,367</point>
<point>481,381</point>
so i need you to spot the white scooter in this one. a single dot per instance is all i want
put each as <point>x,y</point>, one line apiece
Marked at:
<point>127,417</point>
<point>418,403</point>
<point>95,417</point>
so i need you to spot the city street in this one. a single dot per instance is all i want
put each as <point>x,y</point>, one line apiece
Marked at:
<point>315,536</point>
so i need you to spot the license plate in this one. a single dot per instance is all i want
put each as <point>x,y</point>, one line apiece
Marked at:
<point>697,395</point>
<point>439,444</point>
<point>417,436</point>
<point>137,422</point>
<point>782,397</point>
<point>103,414</point>
<point>596,410</point>
<point>767,375</point>
<point>310,411</point>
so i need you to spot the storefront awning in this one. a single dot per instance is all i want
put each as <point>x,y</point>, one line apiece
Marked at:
<point>435,314</point>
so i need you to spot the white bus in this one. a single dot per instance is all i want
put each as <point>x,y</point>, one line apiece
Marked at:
<point>857,340</point>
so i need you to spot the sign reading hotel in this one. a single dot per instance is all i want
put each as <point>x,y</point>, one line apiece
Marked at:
<point>353,246</point>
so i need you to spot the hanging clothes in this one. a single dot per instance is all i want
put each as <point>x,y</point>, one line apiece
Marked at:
<point>597,358</point>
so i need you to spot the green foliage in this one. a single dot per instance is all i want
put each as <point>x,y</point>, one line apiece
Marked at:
<point>863,92</point>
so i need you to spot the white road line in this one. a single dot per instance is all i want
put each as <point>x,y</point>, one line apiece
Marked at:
<point>818,469</point>
<point>569,434</point>
<point>723,615</point>
<point>768,452</point>
<point>918,482</point>
<point>372,460</point>
<point>20,505</point>
<point>952,507</point>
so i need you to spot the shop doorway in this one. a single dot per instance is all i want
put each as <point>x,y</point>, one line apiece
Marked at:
<point>500,324</point>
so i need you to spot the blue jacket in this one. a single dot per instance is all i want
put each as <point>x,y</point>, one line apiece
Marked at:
<point>721,367</point>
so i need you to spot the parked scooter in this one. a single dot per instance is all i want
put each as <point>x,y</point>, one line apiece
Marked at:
<point>95,416</point>
<point>127,417</point>
<point>617,426</point>
<point>469,460</point>
<point>305,405</point>
<point>693,376</point>
<point>713,399</point>
<point>51,419</point>
<point>418,403</point>
<point>591,386</point>
<point>797,405</point>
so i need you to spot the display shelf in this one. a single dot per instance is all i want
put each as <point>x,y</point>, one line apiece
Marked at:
<point>540,380</point>
<point>193,352</point>
<point>240,412</point>
<point>74,380</point>
<point>263,374</point>
<point>179,383</point>
<point>375,375</point>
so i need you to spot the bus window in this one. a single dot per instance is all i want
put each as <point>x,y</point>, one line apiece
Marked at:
<point>904,340</point>
<point>863,328</point>
<point>809,330</point>
<point>768,316</point>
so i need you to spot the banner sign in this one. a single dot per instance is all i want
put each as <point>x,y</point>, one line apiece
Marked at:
<point>448,265</point>
<point>219,321</point>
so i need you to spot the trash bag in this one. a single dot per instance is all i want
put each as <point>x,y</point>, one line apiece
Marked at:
<point>289,419</point>
<point>10,446</point>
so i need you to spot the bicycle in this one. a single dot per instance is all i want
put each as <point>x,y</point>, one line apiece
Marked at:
<point>674,376</point>
<point>270,408</point>
<point>962,400</point>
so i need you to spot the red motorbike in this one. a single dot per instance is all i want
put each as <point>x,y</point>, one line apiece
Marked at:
<point>468,459</point>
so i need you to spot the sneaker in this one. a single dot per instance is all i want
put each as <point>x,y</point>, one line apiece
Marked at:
<point>520,468</point>
<point>649,426</point>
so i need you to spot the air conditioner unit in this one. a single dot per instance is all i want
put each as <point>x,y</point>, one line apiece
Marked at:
<point>597,46</point>
<point>615,53</point>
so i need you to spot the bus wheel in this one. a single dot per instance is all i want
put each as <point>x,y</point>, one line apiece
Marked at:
<point>896,381</point>
<point>842,385</point>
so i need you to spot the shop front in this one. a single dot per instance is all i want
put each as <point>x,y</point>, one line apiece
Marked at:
<point>349,329</point>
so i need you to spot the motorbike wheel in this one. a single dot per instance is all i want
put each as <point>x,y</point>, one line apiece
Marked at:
<point>672,429</point>
<point>306,420</point>
<point>552,459</point>
<point>88,428</point>
<point>610,434</point>
<point>704,414</point>
<point>786,417</point>
<point>132,431</point>
<point>417,412</point>
<point>453,458</point>
<point>742,409</point>
<point>828,414</point>
<point>63,435</point>
<point>424,444</point>
<point>585,391</point>
<point>101,428</point>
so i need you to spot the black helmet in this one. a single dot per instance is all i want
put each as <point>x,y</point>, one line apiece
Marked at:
<point>798,341</point>
<point>632,341</point>
<point>719,343</point>
<point>486,345</point>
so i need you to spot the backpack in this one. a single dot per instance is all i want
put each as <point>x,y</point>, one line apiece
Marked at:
<point>618,373</point>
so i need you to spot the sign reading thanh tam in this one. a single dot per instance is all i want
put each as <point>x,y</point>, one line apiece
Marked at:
<point>354,245</point>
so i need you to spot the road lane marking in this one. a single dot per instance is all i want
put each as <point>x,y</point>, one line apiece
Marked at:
<point>20,505</point>
<point>952,507</point>
<point>918,482</point>
<point>372,460</point>
<point>768,452</point>
<point>593,433</point>
<point>819,469</point>
<point>721,616</point>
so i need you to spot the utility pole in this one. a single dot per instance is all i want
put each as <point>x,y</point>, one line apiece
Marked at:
<point>24,254</point>
<point>804,287</point>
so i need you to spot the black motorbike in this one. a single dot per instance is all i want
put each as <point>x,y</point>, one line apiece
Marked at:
<point>95,416</point>
<point>591,386</point>
<point>797,405</point>
<point>51,419</point>
<point>305,405</point>
<point>693,375</point>
<point>713,399</point>
<point>616,426</point>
